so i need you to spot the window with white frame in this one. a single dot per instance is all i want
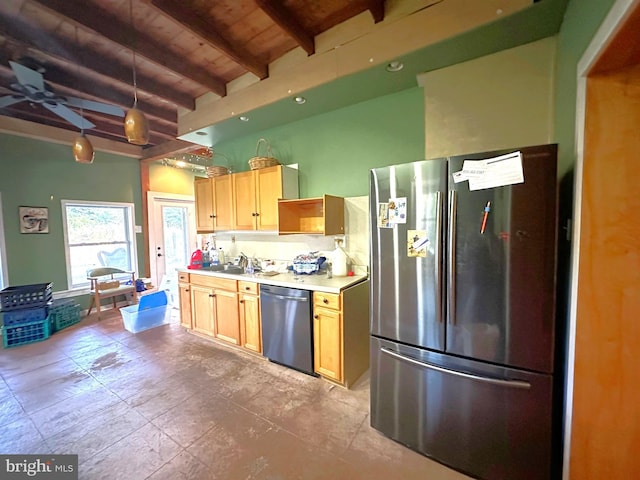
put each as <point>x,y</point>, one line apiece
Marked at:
<point>97,234</point>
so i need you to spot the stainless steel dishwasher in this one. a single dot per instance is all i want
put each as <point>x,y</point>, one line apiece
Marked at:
<point>287,327</point>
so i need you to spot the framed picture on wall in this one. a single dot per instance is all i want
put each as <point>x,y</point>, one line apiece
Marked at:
<point>34,219</point>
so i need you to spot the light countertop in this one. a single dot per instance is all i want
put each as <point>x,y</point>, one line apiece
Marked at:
<point>319,283</point>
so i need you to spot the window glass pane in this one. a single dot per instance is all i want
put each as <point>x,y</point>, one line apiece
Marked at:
<point>175,230</point>
<point>97,235</point>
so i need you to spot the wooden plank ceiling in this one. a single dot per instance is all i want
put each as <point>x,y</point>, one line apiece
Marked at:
<point>183,49</point>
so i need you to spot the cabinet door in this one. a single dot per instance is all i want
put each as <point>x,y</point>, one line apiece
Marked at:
<point>202,309</point>
<point>223,201</point>
<point>244,201</point>
<point>250,334</point>
<point>203,188</point>
<point>268,191</point>
<point>185,305</point>
<point>227,318</point>
<point>327,342</point>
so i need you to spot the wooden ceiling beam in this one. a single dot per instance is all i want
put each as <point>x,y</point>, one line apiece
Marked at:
<point>26,37</point>
<point>181,14</point>
<point>117,31</point>
<point>376,7</point>
<point>285,20</point>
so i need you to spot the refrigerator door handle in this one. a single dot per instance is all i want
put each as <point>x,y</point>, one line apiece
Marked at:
<point>493,381</point>
<point>451,258</point>
<point>438,266</point>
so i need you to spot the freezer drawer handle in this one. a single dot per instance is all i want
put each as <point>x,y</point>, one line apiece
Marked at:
<point>493,381</point>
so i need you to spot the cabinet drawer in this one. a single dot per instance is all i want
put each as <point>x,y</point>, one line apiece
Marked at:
<point>247,287</point>
<point>328,300</point>
<point>183,277</point>
<point>213,282</point>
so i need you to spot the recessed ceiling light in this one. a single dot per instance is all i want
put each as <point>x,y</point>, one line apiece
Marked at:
<point>394,66</point>
<point>244,119</point>
<point>201,133</point>
<point>300,100</point>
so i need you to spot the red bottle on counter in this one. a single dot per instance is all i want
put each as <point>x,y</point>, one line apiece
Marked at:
<point>196,260</point>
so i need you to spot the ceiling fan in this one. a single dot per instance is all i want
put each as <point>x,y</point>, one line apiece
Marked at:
<point>31,87</point>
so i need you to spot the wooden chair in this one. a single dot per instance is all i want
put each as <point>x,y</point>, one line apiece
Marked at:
<point>105,284</point>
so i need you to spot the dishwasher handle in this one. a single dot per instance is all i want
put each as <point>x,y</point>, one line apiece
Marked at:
<point>284,297</point>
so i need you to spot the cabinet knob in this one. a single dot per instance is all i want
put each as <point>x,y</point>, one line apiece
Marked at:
<point>324,300</point>
<point>241,301</point>
<point>211,295</point>
<point>247,288</point>
<point>210,216</point>
<point>315,316</point>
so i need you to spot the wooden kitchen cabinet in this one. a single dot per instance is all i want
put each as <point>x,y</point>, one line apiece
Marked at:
<point>214,203</point>
<point>214,307</point>
<point>227,320</point>
<point>204,204</point>
<point>202,309</point>
<point>256,194</point>
<point>184,297</point>
<point>341,333</point>
<point>322,216</point>
<point>249,310</point>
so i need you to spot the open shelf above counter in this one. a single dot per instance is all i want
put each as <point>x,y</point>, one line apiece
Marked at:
<point>320,216</point>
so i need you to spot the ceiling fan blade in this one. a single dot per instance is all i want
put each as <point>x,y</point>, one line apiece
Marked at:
<point>95,106</point>
<point>10,100</point>
<point>26,76</point>
<point>69,115</point>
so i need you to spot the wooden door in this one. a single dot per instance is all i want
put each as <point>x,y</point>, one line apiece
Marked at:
<point>244,201</point>
<point>327,342</point>
<point>223,201</point>
<point>227,318</point>
<point>250,333</point>
<point>268,191</point>
<point>202,309</point>
<point>185,305</point>
<point>203,189</point>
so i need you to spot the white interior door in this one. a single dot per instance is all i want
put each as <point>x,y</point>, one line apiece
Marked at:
<point>172,235</point>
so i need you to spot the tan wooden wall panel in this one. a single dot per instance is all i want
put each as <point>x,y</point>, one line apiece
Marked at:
<point>606,402</point>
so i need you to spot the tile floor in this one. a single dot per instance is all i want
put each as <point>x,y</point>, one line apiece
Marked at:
<point>166,404</point>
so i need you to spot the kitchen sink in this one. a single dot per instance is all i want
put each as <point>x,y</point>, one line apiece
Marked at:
<point>233,269</point>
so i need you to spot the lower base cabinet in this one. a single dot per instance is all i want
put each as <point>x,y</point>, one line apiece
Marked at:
<point>341,334</point>
<point>230,311</point>
<point>249,309</point>
<point>185,300</point>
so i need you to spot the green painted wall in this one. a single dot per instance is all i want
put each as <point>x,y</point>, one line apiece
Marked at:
<point>335,150</point>
<point>581,21</point>
<point>41,174</point>
<point>167,179</point>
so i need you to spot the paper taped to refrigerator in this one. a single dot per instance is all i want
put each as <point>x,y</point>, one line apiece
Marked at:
<point>491,172</point>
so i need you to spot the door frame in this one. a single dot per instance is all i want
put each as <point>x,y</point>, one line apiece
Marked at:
<point>4,270</point>
<point>153,198</point>
<point>609,28</point>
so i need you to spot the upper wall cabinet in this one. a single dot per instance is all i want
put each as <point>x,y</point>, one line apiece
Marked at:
<point>256,195</point>
<point>214,203</point>
<point>322,216</point>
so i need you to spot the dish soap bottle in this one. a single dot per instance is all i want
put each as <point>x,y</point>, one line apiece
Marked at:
<point>339,260</point>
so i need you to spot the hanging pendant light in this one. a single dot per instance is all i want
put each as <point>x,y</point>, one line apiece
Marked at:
<point>136,126</point>
<point>82,149</point>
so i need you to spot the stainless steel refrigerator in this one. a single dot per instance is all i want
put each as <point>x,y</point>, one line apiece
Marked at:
<point>463,269</point>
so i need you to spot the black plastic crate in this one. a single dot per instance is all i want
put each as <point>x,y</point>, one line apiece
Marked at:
<point>26,333</point>
<point>23,315</point>
<point>26,296</point>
